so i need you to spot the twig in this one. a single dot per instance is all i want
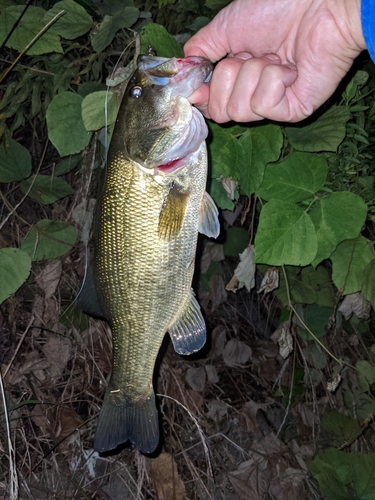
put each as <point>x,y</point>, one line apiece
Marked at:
<point>28,191</point>
<point>19,345</point>
<point>38,35</point>
<point>13,478</point>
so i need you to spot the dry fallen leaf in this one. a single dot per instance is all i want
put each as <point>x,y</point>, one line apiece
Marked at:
<point>49,278</point>
<point>270,280</point>
<point>196,378</point>
<point>57,352</point>
<point>213,252</point>
<point>284,338</point>
<point>230,186</point>
<point>357,304</point>
<point>236,353</point>
<point>212,374</point>
<point>168,484</point>
<point>217,410</point>
<point>244,274</point>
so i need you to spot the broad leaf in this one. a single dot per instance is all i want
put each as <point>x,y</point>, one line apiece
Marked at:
<point>296,178</point>
<point>73,23</point>
<point>368,283</point>
<point>30,25</point>
<point>300,292</point>
<point>46,189</point>
<point>67,165</point>
<point>316,318</point>
<point>345,428</point>
<point>220,196</point>
<point>99,109</point>
<point>285,235</point>
<point>226,152</point>
<point>366,374</point>
<point>49,239</point>
<point>158,38</point>
<point>325,134</point>
<point>15,162</point>
<point>337,217</point>
<point>66,129</point>
<point>111,25</point>
<point>348,263</point>
<point>236,240</point>
<point>260,146</point>
<point>321,282</point>
<point>15,267</point>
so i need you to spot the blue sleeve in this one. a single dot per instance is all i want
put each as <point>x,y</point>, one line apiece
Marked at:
<point>368,25</point>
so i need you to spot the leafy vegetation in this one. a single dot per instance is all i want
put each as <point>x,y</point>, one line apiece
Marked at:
<point>300,197</point>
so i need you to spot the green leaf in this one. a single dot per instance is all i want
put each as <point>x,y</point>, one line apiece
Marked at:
<point>74,23</point>
<point>216,4</point>
<point>157,37</point>
<point>111,7</point>
<point>316,318</point>
<point>325,134</point>
<point>285,235</point>
<point>236,240</point>
<point>67,165</point>
<point>219,195</point>
<point>296,178</point>
<point>337,217</point>
<point>260,146</point>
<point>94,110</point>
<point>89,87</point>
<point>368,283</point>
<point>345,428</point>
<point>46,189</point>
<point>111,25</point>
<point>315,356</point>
<point>49,239</point>
<point>15,267</point>
<point>321,282</point>
<point>348,263</point>
<point>15,162</point>
<point>226,152</point>
<point>339,473</point>
<point>366,374</point>
<point>300,291</point>
<point>29,26</point>
<point>66,129</point>
<point>364,478</point>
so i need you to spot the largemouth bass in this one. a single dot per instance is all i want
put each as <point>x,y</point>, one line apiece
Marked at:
<point>151,206</point>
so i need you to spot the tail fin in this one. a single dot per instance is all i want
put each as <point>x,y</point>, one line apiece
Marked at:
<point>120,421</point>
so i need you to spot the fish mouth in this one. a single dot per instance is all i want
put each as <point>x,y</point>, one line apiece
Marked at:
<point>183,75</point>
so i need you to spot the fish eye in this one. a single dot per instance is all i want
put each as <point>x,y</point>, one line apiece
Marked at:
<point>136,92</point>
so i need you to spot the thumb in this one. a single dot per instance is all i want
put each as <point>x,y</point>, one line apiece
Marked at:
<point>210,41</point>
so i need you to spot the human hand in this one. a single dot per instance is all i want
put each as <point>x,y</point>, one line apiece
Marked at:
<point>285,58</point>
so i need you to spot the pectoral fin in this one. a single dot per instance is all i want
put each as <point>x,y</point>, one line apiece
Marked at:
<point>88,299</point>
<point>209,217</point>
<point>172,214</point>
<point>188,333</point>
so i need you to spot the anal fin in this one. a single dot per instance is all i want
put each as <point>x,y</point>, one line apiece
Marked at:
<point>188,333</point>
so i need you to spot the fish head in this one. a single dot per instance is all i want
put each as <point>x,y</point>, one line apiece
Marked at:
<point>158,127</point>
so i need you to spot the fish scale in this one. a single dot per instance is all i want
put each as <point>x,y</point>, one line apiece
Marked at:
<point>146,230</point>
